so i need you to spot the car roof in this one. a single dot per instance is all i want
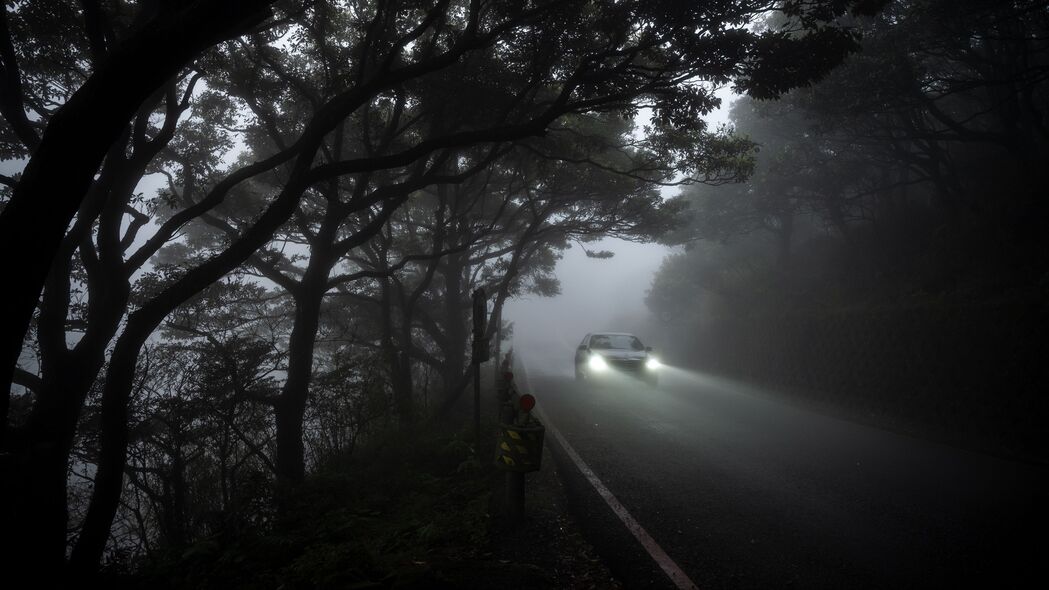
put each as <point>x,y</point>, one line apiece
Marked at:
<point>611,334</point>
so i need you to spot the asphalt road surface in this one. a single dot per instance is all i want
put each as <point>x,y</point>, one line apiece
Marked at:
<point>742,490</point>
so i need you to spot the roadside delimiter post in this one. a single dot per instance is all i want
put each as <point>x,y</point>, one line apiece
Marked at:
<point>520,447</point>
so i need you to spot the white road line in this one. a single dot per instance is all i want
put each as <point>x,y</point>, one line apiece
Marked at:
<point>676,574</point>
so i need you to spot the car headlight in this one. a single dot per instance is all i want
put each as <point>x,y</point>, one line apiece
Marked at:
<point>653,363</point>
<point>597,363</point>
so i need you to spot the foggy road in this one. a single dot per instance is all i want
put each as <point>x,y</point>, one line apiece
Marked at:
<point>741,490</point>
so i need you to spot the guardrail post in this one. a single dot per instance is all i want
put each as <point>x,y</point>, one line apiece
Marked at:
<point>515,496</point>
<point>520,446</point>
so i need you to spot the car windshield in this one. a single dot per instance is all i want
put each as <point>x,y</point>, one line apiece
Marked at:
<point>616,342</point>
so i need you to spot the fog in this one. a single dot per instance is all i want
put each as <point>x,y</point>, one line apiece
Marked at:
<point>596,295</point>
<point>253,273</point>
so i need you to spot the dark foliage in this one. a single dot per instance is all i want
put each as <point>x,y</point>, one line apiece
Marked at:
<point>241,235</point>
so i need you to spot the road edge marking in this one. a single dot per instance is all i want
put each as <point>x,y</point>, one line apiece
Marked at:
<point>669,567</point>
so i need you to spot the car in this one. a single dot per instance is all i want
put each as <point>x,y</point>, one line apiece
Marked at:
<point>615,352</point>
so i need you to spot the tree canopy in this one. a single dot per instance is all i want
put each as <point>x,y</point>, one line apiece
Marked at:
<point>191,186</point>
<point>912,171</point>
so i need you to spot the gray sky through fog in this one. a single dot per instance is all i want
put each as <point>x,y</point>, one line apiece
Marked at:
<point>595,295</point>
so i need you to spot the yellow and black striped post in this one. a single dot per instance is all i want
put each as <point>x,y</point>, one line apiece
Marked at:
<point>519,449</point>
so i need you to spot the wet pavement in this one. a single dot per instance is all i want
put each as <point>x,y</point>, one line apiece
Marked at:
<point>742,490</point>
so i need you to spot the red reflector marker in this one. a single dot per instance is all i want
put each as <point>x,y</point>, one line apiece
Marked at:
<point>508,376</point>
<point>527,402</point>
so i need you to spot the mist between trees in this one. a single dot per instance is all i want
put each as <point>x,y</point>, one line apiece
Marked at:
<point>889,251</point>
<point>337,177</point>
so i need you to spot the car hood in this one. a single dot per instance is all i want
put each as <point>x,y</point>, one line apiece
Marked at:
<point>622,354</point>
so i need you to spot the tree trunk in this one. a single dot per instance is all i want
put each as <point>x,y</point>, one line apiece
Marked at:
<point>291,405</point>
<point>109,478</point>
<point>455,325</point>
<point>36,528</point>
<point>34,499</point>
<point>397,345</point>
<point>403,388</point>
<point>176,514</point>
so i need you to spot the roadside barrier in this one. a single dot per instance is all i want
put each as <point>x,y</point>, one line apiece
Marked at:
<point>519,449</point>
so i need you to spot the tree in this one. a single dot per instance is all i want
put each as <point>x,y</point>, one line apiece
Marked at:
<point>323,65</point>
<point>120,66</point>
<point>909,169</point>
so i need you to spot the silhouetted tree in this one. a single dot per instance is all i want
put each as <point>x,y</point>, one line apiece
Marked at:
<point>289,82</point>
